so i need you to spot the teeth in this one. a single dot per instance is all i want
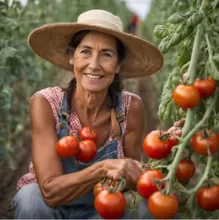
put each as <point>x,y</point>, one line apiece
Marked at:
<point>93,77</point>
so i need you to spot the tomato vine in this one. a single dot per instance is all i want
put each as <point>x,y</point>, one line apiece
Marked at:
<point>191,33</point>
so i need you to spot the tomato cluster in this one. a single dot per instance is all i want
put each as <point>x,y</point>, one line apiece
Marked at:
<point>83,148</point>
<point>188,96</point>
<point>159,205</point>
<point>146,184</point>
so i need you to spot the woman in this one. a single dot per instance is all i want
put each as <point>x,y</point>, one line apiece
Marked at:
<point>99,53</point>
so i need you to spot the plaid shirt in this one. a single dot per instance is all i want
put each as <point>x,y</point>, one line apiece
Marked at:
<point>54,96</point>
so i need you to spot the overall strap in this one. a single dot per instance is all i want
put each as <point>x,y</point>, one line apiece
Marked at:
<point>63,118</point>
<point>120,117</point>
<point>117,117</point>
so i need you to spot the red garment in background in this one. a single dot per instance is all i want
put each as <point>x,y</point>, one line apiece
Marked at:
<point>135,20</point>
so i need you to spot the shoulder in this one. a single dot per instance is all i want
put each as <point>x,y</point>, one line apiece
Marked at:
<point>53,95</point>
<point>49,92</point>
<point>133,102</point>
<point>135,117</point>
<point>47,100</point>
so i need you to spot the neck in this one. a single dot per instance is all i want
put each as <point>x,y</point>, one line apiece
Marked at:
<point>89,104</point>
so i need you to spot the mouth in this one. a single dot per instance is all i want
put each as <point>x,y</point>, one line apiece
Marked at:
<point>93,76</point>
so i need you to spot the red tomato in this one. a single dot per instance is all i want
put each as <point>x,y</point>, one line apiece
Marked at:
<point>206,87</point>
<point>218,142</point>
<point>185,170</point>
<point>162,206</point>
<point>146,185</point>
<point>67,147</point>
<point>173,140</point>
<point>154,147</point>
<point>88,133</point>
<point>87,151</point>
<point>110,205</point>
<point>186,96</point>
<point>199,143</point>
<point>208,198</point>
<point>98,188</point>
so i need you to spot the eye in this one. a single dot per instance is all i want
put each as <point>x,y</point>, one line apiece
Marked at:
<point>107,54</point>
<point>85,51</point>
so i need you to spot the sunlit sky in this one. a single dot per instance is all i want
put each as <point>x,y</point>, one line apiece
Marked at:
<point>141,7</point>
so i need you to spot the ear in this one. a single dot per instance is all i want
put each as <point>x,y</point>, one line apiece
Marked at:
<point>71,61</point>
<point>118,68</point>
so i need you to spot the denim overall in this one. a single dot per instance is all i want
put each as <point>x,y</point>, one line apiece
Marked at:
<point>28,202</point>
<point>71,165</point>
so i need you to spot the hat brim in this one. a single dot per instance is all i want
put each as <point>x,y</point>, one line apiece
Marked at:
<point>50,42</point>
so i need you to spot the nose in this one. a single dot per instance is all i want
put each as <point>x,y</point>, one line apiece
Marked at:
<point>94,63</point>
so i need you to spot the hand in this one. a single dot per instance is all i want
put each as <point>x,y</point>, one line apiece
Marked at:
<point>128,168</point>
<point>176,129</point>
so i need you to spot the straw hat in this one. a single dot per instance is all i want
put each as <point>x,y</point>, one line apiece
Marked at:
<point>50,42</point>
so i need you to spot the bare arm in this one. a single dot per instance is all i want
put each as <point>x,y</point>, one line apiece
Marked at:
<point>57,188</point>
<point>135,129</point>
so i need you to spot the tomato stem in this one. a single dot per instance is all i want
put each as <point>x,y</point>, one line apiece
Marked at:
<point>122,184</point>
<point>103,181</point>
<point>204,177</point>
<point>214,68</point>
<point>164,136</point>
<point>196,50</point>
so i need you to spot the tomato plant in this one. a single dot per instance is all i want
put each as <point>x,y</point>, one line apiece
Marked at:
<point>208,198</point>
<point>146,184</point>
<point>189,40</point>
<point>206,87</point>
<point>67,147</point>
<point>156,146</point>
<point>202,139</point>
<point>163,206</point>
<point>110,205</point>
<point>88,133</point>
<point>87,151</point>
<point>185,170</point>
<point>186,96</point>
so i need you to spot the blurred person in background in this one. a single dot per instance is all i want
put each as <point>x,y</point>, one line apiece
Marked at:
<point>133,24</point>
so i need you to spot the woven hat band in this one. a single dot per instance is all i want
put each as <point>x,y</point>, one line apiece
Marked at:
<point>101,18</point>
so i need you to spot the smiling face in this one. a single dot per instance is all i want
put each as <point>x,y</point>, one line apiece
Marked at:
<point>95,61</point>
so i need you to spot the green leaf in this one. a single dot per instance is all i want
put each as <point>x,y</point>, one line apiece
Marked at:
<point>5,96</point>
<point>160,31</point>
<point>195,19</point>
<point>184,56</point>
<point>176,18</point>
<point>216,58</point>
<point>164,45</point>
<point>7,52</point>
<point>2,76</point>
<point>9,23</point>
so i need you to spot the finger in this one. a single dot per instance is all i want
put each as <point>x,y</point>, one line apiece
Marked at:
<point>141,166</point>
<point>114,176</point>
<point>179,123</point>
<point>177,132</point>
<point>171,129</point>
